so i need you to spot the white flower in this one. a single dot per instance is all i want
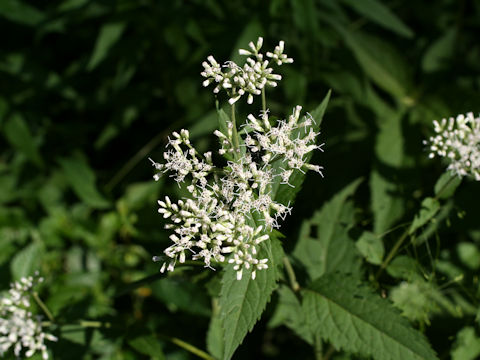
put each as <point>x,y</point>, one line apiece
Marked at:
<point>248,79</point>
<point>20,330</point>
<point>458,140</point>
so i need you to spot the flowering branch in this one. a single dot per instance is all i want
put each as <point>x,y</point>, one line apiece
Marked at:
<point>215,223</point>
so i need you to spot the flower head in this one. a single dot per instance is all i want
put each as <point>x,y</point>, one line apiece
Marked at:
<point>248,79</point>
<point>458,140</point>
<point>20,330</point>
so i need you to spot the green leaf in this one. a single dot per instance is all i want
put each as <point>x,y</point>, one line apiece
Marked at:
<point>429,209</point>
<point>27,260</point>
<point>19,12</point>
<point>403,267</point>
<point>324,243</point>
<point>469,254</point>
<point>380,14</point>
<point>19,135</point>
<point>371,247</point>
<point>467,345</point>
<point>284,193</point>
<point>215,333</point>
<point>243,301</point>
<point>440,51</point>
<point>148,345</point>
<point>82,179</point>
<point>305,16</point>
<point>289,313</point>
<point>388,71</point>
<point>350,316</point>
<point>446,185</point>
<point>108,36</point>
<point>387,203</point>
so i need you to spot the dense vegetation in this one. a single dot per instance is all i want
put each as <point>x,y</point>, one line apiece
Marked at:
<point>89,90</point>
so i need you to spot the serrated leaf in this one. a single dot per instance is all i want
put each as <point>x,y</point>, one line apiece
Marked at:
<point>18,134</point>
<point>349,315</point>
<point>429,208</point>
<point>380,14</point>
<point>27,260</point>
<point>242,302</point>
<point>148,345</point>
<point>289,313</point>
<point>82,179</point>
<point>329,248</point>
<point>284,193</point>
<point>107,37</point>
<point>371,247</point>
<point>446,185</point>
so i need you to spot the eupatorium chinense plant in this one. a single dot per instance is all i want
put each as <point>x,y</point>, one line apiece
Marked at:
<point>232,207</point>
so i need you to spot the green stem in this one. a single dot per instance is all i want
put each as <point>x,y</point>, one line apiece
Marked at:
<point>317,347</point>
<point>291,274</point>
<point>191,348</point>
<point>43,307</point>
<point>402,238</point>
<point>236,145</point>
<point>264,101</point>
<point>392,253</point>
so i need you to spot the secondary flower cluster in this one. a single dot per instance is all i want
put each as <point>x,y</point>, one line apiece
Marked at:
<point>230,210</point>
<point>19,328</point>
<point>249,79</point>
<point>458,140</point>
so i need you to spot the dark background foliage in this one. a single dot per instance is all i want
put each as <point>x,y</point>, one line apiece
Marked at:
<point>90,89</point>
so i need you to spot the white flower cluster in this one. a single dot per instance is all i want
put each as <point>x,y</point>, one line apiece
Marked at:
<point>19,328</point>
<point>230,210</point>
<point>458,140</point>
<point>249,79</point>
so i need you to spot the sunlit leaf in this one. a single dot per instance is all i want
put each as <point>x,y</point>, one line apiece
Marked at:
<point>242,302</point>
<point>353,318</point>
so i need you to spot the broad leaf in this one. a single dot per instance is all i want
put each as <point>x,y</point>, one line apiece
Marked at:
<point>324,244</point>
<point>27,261</point>
<point>350,316</point>
<point>446,185</point>
<point>429,209</point>
<point>371,247</point>
<point>19,135</point>
<point>82,179</point>
<point>440,51</point>
<point>242,302</point>
<point>467,345</point>
<point>289,313</point>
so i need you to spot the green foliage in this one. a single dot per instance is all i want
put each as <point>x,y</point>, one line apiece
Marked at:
<point>351,317</point>
<point>90,90</point>
<point>324,243</point>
